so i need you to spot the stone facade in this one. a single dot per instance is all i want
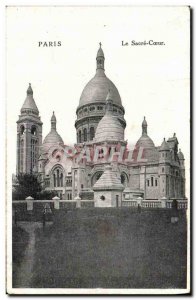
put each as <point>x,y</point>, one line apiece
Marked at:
<point>153,172</point>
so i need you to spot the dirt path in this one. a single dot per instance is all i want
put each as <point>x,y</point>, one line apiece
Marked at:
<point>25,272</point>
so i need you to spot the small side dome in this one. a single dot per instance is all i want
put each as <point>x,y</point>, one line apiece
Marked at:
<point>164,146</point>
<point>145,141</point>
<point>180,155</point>
<point>52,138</point>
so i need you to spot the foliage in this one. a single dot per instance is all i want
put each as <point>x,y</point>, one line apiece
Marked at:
<point>27,185</point>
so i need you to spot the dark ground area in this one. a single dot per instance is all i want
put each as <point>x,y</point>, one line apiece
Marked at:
<point>111,248</point>
<point>20,239</point>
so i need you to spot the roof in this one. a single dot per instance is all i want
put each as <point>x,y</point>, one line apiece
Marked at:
<point>53,138</point>
<point>109,129</point>
<point>109,180</point>
<point>164,146</point>
<point>29,102</point>
<point>151,154</point>
<point>180,155</point>
<point>97,88</point>
<point>145,142</point>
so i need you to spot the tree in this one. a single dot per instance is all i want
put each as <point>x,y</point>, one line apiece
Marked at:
<point>26,185</point>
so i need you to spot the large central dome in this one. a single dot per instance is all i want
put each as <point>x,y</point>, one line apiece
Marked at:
<point>92,102</point>
<point>97,88</point>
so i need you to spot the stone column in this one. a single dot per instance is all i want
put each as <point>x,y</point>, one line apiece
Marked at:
<point>78,201</point>
<point>56,202</point>
<point>29,203</point>
<point>163,202</point>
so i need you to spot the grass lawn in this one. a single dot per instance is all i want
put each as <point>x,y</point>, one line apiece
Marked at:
<point>20,239</point>
<point>111,248</point>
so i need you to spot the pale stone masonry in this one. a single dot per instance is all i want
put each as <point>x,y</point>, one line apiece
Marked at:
<point>100,126</point>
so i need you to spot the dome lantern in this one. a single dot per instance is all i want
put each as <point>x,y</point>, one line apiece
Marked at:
<point>144,126</point>
<point>29,90</point>
<point>53,121</point>
<point>100,58</point>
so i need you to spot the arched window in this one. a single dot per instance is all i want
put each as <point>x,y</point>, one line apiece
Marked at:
<point>33,130</point>
<point>92,133</point>
<point>79,136</point>
<point>98,176</point>
<point>61,179</point>
<point>68,196</point>
<point>54,178</point>
<point>22,129</point>
<point>58,178</point>
<point>85,134</point>
<point>122,177</point>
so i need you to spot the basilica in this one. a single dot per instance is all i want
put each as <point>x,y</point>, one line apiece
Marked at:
<point>100,166</point>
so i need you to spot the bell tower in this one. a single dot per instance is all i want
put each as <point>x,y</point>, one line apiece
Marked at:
<point>29,135</point>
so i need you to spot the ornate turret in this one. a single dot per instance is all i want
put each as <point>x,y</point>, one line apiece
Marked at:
<point>164,152</point>
<point>180,155</point>
<point>53,121</point>
<point>29,135</point>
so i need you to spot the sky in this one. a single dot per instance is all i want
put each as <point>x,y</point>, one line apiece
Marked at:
<point>153,81</point>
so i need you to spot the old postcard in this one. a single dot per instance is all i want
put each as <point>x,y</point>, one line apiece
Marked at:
<point>98,150</point>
